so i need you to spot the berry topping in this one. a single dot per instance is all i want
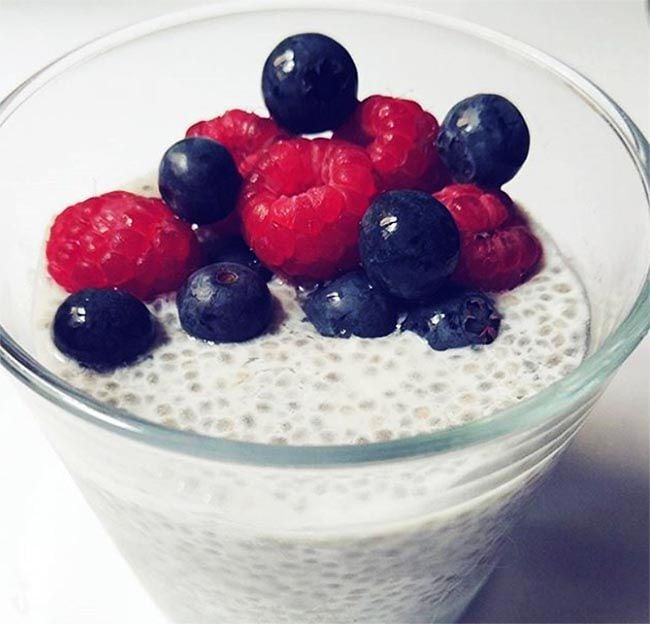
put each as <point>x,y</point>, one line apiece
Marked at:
<point>400,139</point>
<point>474,209</point>
<point>302,204</point>
<point>309,83</point>
<point>455,321</point>
<point>350,305</point>
<point>484,139</point>
<point>121,240</point>
<point>497,260</point>
<point>103,328</point>
<point>224,302</point>
<point>244,134</point>
<point>199,180</point>
<point>231,249</point>
<point>409,243</point>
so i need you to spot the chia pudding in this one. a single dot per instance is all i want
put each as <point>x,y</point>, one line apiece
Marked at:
<point>378,541</point>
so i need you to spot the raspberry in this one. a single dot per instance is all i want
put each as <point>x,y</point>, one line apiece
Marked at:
<point>497,249</point>
<point>399,137</point>
<point>302,204</point>
<point>244,134</point>
<point>121,240</point>
<point>474,209</point>
<point>497,260</point>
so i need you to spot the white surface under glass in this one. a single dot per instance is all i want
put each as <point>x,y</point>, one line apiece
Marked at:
<point>581,555</point>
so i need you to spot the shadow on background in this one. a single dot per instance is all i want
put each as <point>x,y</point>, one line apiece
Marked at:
<point>579,555</point>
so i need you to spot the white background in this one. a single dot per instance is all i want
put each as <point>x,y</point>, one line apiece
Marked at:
<point>582,553</point>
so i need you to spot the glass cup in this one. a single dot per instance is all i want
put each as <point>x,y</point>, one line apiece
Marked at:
<point>400,531</point>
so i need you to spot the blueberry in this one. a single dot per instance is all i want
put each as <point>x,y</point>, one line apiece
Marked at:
<point>350,305</point>
<point>309,83</point>
<point>102,328</point>
<point>224,302</point>
<point>232,249</point>
<point>409,243</point>
<point>198,180</point>
<point>484,139</point>
<point>459,320</point>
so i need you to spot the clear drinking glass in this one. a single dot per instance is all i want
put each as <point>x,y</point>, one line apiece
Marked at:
<point>400,531</point>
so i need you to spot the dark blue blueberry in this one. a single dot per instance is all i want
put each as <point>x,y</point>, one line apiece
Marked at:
<point>103,329</point>
<point>224,302</point>
<point>309,83</point>
<point>217,248</point>
<point>199,181</point>
<point>350,305</point>
<point>484,139</point>
<point>409,244</point>
<point>459,320</point>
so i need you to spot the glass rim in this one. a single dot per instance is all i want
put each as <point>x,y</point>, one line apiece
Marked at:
<point>572,390</point>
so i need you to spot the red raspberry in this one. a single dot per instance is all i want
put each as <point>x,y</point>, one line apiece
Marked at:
<point>497,260</point>
<point>400,138</point>
<point>497,250</point>
<point>301,207</point>
<point>121,240</point>
<point>244,134</point>
<point>474,209</point>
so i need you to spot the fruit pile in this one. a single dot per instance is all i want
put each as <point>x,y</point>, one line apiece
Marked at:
<point>396,221</point>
